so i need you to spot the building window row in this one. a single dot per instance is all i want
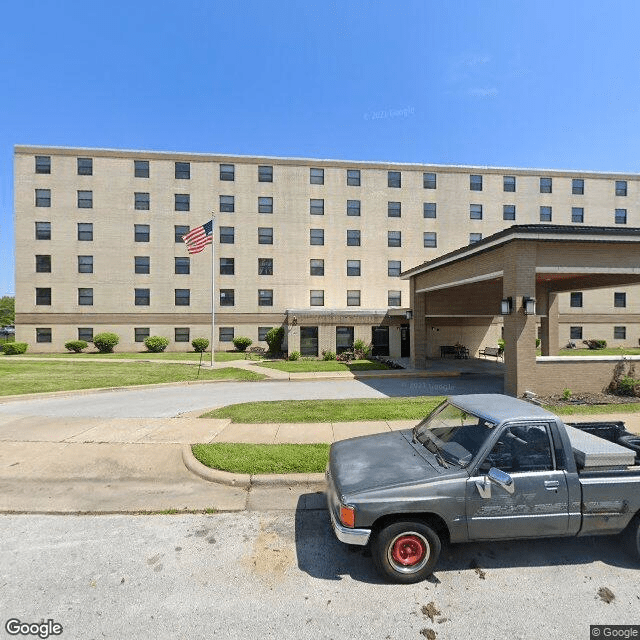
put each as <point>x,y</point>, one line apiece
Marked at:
<point>619,299</point>
<point>576,333</point>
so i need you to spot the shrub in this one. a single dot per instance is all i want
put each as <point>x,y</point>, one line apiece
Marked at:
<point>105,342</point>
<point>328,355</point>
<point>241,343</point>
<point>274,339</point>
<point>199,344</point>
<point>294,355</point>
<point>595,344</point>
<point>14,348</point>
<point>566,394</point>
<point>75,345</point>
<point>537,342</point>
<point>156,344</point>
<point>361,350</point>
<point>501,344</point>
<point>628,386</point>
<point>345,356</point>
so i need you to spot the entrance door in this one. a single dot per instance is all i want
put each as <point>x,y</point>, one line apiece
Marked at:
<point>405,341</point>
<point>380,341</point>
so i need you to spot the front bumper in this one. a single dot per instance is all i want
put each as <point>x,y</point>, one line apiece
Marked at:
<point>347,535</point>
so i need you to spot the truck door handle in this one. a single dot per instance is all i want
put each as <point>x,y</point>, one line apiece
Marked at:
<point>551,485</point>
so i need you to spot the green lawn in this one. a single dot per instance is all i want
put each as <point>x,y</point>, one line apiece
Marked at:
<point>306,366</point>
<point>220,356</point>
<point>586,409</point>
<point>263,458</point>
<point>328,410</point>
<point>24,376</point>
<point>609,351</point>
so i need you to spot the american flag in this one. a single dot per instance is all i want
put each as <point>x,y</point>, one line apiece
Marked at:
<point>197,239</point>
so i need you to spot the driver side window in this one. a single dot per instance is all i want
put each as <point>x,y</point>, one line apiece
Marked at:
<point>521,448</point>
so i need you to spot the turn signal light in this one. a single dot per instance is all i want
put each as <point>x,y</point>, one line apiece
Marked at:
<point>347,516</point>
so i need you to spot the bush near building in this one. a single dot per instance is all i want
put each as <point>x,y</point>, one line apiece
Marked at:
<point>241,343</point>
<point>156,344</point>
<point>199,344</point>
<point>14,348</point>
<point>274,339</point>
<point>105,342</point>
<point>76,346</point>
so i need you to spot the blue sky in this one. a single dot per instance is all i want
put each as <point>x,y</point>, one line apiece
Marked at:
<point>548,84</point>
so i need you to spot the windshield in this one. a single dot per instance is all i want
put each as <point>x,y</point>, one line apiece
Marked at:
<point>452,433</point>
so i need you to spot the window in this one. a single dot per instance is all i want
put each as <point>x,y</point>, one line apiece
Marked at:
<point>353,177</point>
<point>142,297</point>
<point>577,214</point>
<point>182,266</point>
<point>619,299</point>
<point>262,333</point>
<point>575,333</point>
<point>395,298</point>
<point>508,211</point>
<point>394,238</point>
<point>85,264</point>
<point>182,297</point>
<point>429,210</point>
<point>316,236</point>
<point>475,211</point>
<point>316,207</point>
<point>85,199</point>
<point>227,297</point>
<point>227,172</point>
<point>227,235</point>
<point>521,448</point>
<point>85,166</point>
<point>85,333</point>
<point>265,235</point>
<point>545,214</point>
<point>509,183</point>
<point>316,267</point>
<point>309,341</point>
<point>619,333</point>
<point>141,232</point>
<point>141,168</point>
<point>43,197</point>
<point>429,180</point>
<point>353,298</point>
<point>353,207</point>
<point>43,334</point>
<point>475,183</point>
<point>85,231</point>
<point>575,299</point>
<point>265,266</point>
<point>546,185</point>
<point>141,201</point>
<point>577,187</point>
<point>43,295</point>
<point>265,297</point>
<point>353,267</point>
<point>316,176</point>
<point>227,266</point>
<point>621,216</point>
<point>394,268</point>
<point>85,296</point>
<point>621,187</point>
<point>43,164</point>
<point>43,264</point>
<point>265,205</point>
<point>394,179</point>
<point>141,333</point>
<point>180,230</point>
<point>183,171</point>
<point>316,297</point>
<point>474,237</point>
<point>430,239</point>
<point>353,237</point>
<point>227,204</point>
<point>226,334</point>
<point>265,174</point>
<point>181,334</point>
<point>43,231</point>
<point>344,339</point>
<point>182,202</point>
<point>394,209</point>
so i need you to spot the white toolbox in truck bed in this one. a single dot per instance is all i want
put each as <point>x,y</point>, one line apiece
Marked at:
<point>592,452</point>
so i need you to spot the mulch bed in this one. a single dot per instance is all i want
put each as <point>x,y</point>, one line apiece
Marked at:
<point>585,398</point>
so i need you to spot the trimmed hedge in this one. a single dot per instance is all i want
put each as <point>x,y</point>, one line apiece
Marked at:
<point>199,344</point>
<point>105,342</point>
<point>241,343</point>
<point>14,348</point>
<point>156,344</point>
<point>76,345</point>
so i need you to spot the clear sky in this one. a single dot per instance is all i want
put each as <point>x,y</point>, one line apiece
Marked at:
<point>544,84</point>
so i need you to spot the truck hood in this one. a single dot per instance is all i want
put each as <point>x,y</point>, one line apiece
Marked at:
<point>382,461</point>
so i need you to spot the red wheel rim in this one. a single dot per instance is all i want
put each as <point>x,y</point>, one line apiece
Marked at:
<point>408,550</point>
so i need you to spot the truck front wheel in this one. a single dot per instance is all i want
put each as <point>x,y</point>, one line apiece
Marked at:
<point>632,537</point>
<point>405,552</point>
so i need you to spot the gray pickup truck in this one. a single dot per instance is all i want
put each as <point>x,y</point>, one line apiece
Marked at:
<point>482,467</point>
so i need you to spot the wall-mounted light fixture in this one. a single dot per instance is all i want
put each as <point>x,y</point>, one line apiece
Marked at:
<point>408,314</point>
<point>529,306</point>
<point>506,306</point>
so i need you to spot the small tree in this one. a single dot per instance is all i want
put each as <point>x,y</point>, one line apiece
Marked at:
<point>199,344</point>
<point>156,344</point>
<point>76,346</point>
<point>241,343</point>
<point>274,339</point>
<point>105,342</point>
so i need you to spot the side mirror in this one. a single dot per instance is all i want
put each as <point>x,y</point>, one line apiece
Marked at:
<point>502,479</point>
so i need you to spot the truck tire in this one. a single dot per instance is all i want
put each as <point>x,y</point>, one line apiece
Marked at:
<point>405,552</point>
<point>631,537</point>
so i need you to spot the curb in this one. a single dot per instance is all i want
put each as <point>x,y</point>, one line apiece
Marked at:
<point>244,480</point>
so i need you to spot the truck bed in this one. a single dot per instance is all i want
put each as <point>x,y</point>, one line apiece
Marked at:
<point>592,451</point>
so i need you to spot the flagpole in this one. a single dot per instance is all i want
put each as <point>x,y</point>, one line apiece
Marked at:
<point>213,289</point>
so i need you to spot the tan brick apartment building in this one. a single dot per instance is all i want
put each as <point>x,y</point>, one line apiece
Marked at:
<point>316,245</point>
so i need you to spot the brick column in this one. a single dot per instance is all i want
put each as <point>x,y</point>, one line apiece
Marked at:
<point>549,325</point>
<point>418,328</point>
